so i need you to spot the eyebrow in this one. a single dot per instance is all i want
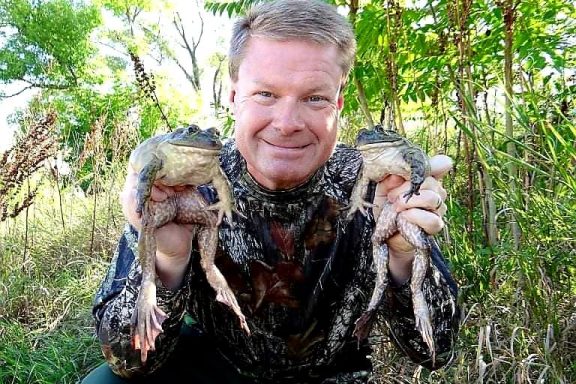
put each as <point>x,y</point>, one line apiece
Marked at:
<point>325,87</point>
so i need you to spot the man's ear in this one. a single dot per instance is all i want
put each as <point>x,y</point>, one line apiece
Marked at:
<point>231,96</point>
<point>340,102</point>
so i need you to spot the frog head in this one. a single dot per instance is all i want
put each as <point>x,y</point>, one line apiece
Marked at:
<point>185,156</point>
<point>193,136</point>
<point>378,135</point>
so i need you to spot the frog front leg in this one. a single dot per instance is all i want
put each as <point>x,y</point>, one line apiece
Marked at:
<point>146,178</point>
<point>357,202</point>
<point>419,170</point>
<point>226,205</point>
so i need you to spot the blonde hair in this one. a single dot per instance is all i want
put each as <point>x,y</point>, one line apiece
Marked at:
<point>282,20</point>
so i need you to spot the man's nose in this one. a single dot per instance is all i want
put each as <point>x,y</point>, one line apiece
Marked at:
<point>288,116</point>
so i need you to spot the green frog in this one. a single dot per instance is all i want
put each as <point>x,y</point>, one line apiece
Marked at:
<point>185,157</point>
<point>384,153</point>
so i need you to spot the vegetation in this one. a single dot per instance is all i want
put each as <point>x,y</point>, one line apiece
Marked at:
<point>491,83</point>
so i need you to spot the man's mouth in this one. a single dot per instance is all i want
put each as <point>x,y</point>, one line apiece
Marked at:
<point>286,146</point>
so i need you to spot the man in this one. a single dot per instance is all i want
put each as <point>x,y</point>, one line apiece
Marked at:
<point>301,270</point>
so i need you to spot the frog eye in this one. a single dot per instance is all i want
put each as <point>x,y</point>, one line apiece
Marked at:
<point>213,132</point>
<point>193,128</point>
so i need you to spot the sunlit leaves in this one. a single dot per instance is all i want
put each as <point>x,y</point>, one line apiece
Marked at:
<point>46,43</point>
<point>230,8</point>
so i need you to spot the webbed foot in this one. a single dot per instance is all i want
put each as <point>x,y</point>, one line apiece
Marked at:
<point>361,206</point>
<point>364,325</point>
<point>226,296</point>
<point>224,209</point>
<point>423,324</point>
<point>146,322</point>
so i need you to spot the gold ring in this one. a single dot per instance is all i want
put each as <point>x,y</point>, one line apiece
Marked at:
<point>439,203</point>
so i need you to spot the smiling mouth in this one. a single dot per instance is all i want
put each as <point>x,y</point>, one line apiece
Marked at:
<point>287,147</point>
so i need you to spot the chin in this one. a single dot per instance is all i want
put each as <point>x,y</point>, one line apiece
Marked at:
<point>284,182</point>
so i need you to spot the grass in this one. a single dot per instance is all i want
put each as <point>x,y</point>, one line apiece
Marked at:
<point>46,328</point>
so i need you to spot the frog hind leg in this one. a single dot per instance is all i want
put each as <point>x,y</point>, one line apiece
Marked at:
<point>419,239</point>
<point>147,318</point>
<point>385,228</point>
<point>365,322</point>
<point>207,241</point>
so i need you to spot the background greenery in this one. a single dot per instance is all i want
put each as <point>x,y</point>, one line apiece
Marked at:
<point>490,83</point>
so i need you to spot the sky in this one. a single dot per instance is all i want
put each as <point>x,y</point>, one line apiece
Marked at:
<point>7,107</point>
<point>215,36</point>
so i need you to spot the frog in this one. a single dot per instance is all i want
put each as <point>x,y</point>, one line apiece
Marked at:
<point>385,152</point>
<point>187,156</point>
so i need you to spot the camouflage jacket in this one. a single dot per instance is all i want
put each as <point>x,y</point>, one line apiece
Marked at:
<point>302,274</point>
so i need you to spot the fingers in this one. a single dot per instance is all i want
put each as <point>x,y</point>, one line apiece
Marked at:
<point>426,209</point>
<point>431,197</point>
<point>431,191</point>
<point>428,200</point>
<point>128,196</point>
<point>440,165</point>
<point>430,222</point>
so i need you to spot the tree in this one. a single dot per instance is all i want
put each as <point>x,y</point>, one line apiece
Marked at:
<point>44,51</point>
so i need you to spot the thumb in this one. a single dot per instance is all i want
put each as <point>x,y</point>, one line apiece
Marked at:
<point>440,165</point>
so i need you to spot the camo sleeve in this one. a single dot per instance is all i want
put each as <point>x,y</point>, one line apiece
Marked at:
<point>113,307</point>
<point>440,292</point>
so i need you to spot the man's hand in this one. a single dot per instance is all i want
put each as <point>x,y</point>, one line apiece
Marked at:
<point>174,241</point>
<point>425,210</point>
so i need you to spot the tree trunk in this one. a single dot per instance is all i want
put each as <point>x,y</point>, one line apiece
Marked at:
<point>353,12</point>
<point>363,102</point>
<point>393,23</point>
<point>509,11</point>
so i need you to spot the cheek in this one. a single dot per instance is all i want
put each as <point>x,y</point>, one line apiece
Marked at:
<point>326,125</point>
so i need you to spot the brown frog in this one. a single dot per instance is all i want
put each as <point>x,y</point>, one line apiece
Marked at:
<point>185,157</point>
<point>386,153</point>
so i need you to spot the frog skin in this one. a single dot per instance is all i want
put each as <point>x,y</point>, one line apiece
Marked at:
<point>185,157</point>
<point>387,153</point>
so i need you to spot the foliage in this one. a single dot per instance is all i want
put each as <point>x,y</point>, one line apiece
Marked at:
<point>43,50</point>
<point>230,7</point>
<point>21,161</point>
<point>47,283</point>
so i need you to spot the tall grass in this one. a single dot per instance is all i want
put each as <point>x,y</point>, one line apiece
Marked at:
<point>47,285</point>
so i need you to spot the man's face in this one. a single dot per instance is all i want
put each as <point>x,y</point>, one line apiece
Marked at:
<point>286,102</point>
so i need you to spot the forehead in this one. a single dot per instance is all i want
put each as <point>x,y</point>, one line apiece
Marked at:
<point>309,63</point>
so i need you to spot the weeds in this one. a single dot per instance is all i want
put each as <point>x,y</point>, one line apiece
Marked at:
<point>17,164</point>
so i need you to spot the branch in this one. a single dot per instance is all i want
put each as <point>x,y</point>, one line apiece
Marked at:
<point>201,26</point>
<point>194,79</point>
<point>17,93</point>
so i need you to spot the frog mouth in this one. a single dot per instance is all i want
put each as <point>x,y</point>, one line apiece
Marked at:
<point>378,144</point>
<point>200,146</point>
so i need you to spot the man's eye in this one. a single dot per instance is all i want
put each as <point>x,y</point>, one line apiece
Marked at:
<point>264,94</point>
<point>317,99</point>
